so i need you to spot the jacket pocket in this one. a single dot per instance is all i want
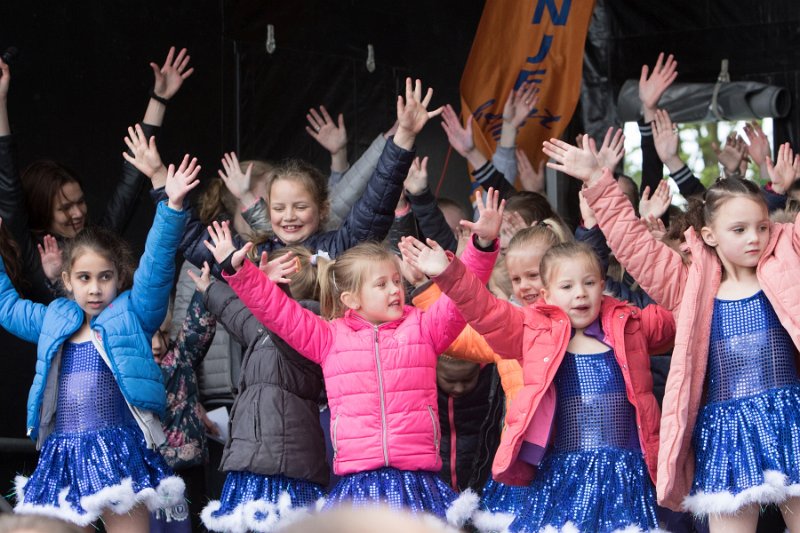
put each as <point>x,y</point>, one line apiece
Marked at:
<point>435,424</point>
<point>334,443</point>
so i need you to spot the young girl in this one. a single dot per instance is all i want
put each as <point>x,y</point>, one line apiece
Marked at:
<point>593,350</point>
<point>93,404</point>
<point>298,195</point>
<point>275,455</point>
<point>523,256</point>
<point>378,358</point>
<point>732,404</point>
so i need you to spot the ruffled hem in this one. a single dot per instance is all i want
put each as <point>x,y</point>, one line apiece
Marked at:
<point>603,490</point>
<point>498,497</point>
<point>257,515</point>
<point>118,499</point>
<point>773,490</point>
<point>569,527</point>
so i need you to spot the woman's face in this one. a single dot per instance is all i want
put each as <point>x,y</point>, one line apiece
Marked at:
<point>69,211</point>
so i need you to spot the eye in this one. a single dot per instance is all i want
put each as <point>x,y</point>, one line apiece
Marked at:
<point>83,277</point>
<point>590,283</point>
<point>738,230</point>
<point>566,287</point>
<point>515,279</point>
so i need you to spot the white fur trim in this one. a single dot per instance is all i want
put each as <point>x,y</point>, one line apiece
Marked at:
<point>489,522</point>
<point>773,490</point>
<point>243,517</point>
<point>569,527</point>
<point>119,499</point>
<point>232,522</point>
<point>462,508</point>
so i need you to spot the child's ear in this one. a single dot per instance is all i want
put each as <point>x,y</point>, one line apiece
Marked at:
<point>543,294</point>
<point>65,280</point>
<point>708,236</point>
<point>350,300</point>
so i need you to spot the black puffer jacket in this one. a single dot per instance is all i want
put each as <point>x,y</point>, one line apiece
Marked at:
<point>472,424</point>
<point>274,426</point>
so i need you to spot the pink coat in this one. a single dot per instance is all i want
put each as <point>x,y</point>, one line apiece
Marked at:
<point>541,334</point>
<point>381,380</point>
<point>689,290</point>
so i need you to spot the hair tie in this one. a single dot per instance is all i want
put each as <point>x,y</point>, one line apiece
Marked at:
<point>320,253</point>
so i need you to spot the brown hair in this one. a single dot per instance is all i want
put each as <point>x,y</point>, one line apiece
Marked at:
<point>304,285</point>
<point>546,233</point>
<point>309,177</point>
<point>532,206</point>
<point>566,250</point>
<point>701,211</point>
<point>107,244</point>
<point>346,274</point>
<point>42,182</point>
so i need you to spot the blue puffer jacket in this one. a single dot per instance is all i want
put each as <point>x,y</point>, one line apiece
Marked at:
<point>369,220</point>
<point>126,326</point>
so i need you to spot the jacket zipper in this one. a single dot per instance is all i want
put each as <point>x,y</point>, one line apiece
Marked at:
<point>435,428</point>
<point>384,436</point>
<point>333,440</point>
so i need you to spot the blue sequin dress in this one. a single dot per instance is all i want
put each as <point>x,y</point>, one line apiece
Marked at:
<point>594,478</point>
<point>96,459</point>
<point>417,491</point>
<point>256,502</point>
<point>747,436</point>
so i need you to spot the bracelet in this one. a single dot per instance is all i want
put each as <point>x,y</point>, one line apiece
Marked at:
<point>227,266</point>
<point>157,98</point>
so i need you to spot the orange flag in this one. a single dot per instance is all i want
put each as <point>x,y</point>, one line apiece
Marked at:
<point>518,42</point>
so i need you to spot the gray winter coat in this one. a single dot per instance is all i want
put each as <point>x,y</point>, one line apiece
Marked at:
<point>274,427</point>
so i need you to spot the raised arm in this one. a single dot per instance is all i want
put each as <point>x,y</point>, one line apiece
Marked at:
<point>518,106</point>
<point>21,318</point>
<point>658,269</point>
<point>153,279</point>
<point>423,204</point>
<point>197,331</point>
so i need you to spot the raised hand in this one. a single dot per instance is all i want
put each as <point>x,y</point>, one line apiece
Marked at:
<point>417,179</point>
<point>431,260</point>
<point>222,247</point>
<point>731,155</point>
<point>460,138</point>
<point>519,104</point>
<point>512,224</point>
<point>652,85</point>
<point>237,182</point>
<point>170,76</point>
<point>656,227</point>
<point>411,274</point>
<point>145,156</point>
<point>412,113</point>
<point>579,163</point>
<point>782,171</point>
<point>655,205</point>
<point>279,270</point>
<point>665,138</point>
<point>202,281</point>
<point>463,235</point>
<point>181,181</point>
<point>758,148</point>
<point>530,179</point>
<point>612,150</point>
<point>490,218</point>
<point>50,254</point>
<point>332,136</point>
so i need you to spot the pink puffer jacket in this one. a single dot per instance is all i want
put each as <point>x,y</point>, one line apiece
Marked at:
<point>381,380</point>
<point>689,291</point>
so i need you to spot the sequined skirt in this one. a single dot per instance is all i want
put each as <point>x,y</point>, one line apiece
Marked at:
<point>598,491</point>
<point>81,475</point>
<point>747,450</point>
<point>255,502</point>
<point>416,491</point>
<point>501,498</point>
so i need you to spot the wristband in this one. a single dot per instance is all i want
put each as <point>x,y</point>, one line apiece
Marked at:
<point>227,265</point>
<point>157,98</point>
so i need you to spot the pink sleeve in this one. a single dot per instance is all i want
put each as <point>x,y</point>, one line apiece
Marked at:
<point>658,268</point>
<point>304,331</point>
<point>500,322</point>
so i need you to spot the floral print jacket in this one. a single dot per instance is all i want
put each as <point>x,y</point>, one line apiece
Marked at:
<point>183,426</point>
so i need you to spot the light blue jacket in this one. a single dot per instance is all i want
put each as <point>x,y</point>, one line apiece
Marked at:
<point>122,332</point>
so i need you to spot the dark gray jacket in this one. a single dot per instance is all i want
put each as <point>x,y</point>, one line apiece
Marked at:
<point>274,426</point>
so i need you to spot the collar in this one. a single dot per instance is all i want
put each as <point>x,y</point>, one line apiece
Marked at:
<point>594,330</point>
